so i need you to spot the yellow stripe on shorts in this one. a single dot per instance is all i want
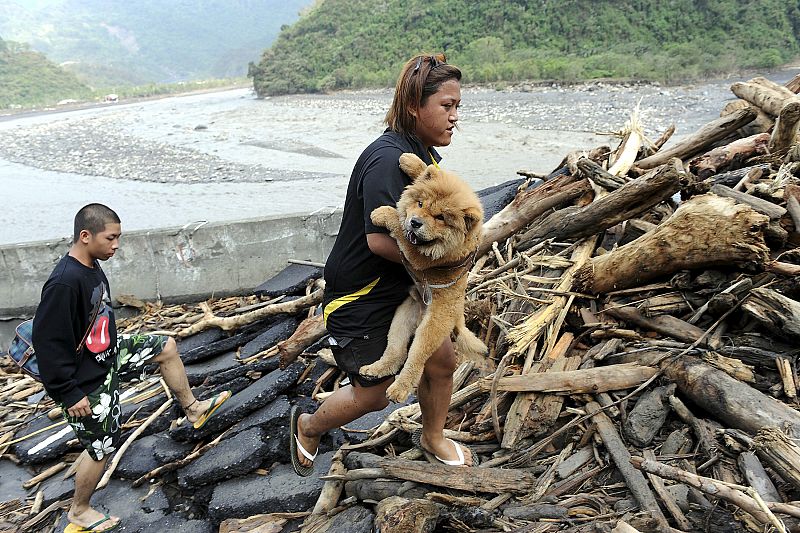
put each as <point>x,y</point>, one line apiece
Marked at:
<point>338,302</point>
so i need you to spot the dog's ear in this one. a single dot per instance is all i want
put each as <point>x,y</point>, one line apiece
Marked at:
<point>412,165</point>
<point>472,216</point>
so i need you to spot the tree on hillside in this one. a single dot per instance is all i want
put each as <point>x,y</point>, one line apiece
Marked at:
<point>356,43</point>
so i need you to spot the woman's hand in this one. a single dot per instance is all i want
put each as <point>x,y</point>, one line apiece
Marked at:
<point>384,245</point>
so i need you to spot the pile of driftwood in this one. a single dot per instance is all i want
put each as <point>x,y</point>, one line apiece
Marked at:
<point>642,366</point>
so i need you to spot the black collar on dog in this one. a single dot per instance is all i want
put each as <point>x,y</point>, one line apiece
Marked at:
<point>424,288</point>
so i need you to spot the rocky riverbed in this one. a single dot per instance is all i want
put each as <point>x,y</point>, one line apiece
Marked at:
<point>231,136</point>
<point>228,155</point>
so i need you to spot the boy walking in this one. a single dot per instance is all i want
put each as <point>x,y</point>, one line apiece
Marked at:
<point>82,359</point>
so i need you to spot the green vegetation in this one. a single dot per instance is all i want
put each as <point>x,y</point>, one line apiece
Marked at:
<point>27,78</point>
<point>362,43</point>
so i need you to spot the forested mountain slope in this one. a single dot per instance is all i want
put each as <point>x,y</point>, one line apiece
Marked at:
<point>357,43</point>
<point>108,42</point>
<point>29,78</point>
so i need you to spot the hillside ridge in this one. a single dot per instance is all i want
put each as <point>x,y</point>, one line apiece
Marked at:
<point>340,44</point>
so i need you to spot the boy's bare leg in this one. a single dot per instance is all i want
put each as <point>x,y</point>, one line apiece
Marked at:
<point>174,375</point>
<point>340,408</point>
<point>87,475</point>
<point>434,392</point>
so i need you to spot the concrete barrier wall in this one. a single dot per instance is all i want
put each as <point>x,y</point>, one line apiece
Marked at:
<point>177,264</point>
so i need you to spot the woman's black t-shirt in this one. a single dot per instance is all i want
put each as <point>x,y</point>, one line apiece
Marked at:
<point>362,290</point>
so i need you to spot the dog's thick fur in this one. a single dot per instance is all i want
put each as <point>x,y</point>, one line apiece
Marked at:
<point>438,224</point>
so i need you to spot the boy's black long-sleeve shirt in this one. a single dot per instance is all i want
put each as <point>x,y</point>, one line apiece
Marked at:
<point>72,295</point>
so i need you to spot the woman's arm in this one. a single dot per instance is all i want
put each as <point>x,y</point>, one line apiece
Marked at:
<point>384,245</point>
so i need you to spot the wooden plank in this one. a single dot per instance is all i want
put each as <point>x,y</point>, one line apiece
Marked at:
<point>587,380</point>
<point>492,480</point>
<point>519,411</point>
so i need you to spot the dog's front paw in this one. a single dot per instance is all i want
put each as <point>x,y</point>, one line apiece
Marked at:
<point>398,391</point>
<point>374,370</point>
<point>384,216</point>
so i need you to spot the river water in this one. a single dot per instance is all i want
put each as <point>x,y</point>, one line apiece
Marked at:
<point>227,155</point>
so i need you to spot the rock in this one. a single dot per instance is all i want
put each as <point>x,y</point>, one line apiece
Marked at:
<point>277,332</point>
<point>264,366</point>
<point>674,442</point>
<point>356,519</point>
<point>536,511</point>
<point>119,498</point>
<point>291,280</point>
<point>680,492</point>
<point>207,351</point>
<point>167,450</point>
<point>199,339</point>
<point>644,421</point>
<point>51,444</point>
<point>198,372</point>
<point>156,501</point>
<point>174,522</point>
<point>494,199</point>
<point>11,479</point>
<point>281,491</point>
<point>57,488</point>
<point>257,395</point>
<point>139,459</point>
<point>232,457</point>
<point>270,418</point>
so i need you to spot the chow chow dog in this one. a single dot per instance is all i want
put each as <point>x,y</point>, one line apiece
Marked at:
<point>438,224</point>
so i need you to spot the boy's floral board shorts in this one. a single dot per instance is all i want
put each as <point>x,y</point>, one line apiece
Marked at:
<point>99,433</point>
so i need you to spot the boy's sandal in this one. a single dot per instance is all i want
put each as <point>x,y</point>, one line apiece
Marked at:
<point>294,446</point>
<point>75,528</point>
<point>215,404</point>
<point>416,438</point>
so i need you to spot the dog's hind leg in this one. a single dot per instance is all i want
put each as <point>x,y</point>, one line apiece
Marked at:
<point>404,322</point>
<point>432,331</point>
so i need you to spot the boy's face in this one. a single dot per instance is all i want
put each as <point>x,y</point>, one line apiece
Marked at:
<point>104,244</point>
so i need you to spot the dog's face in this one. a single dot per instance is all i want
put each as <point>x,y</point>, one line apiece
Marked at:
<point>441,215</point>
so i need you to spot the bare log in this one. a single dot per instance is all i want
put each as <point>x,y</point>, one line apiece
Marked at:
<point>765,207</point>
<point>666,496</point>
<point>705,231</point>
<point>587,380</point>
<point>736,404</point>
<point>307,333</point>
<point>636,482</point>
<point>785,133</point>
<point>775,311</point>
<point>664,324</point>
<point>599,175</point>
<point>529,205</point>
<point>628,201</point>
<point>767,98</point>
<point>761,124</point>
<point>705,484</point>
<point>698,142</point>
<point>730,155</point>
<point>331,490</point>
<point>794,84</point>
<point>521,411</point>
<point>210,320</point>
<point>755,475</point>
<point>780,453</point>
<point>406,516</point>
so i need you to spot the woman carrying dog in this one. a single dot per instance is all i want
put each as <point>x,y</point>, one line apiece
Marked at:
<point>365,280</point>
